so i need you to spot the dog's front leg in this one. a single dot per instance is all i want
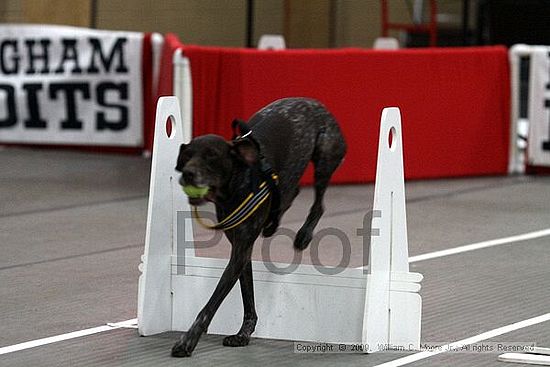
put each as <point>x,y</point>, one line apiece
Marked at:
<point>238,260</point>
<point>242,338</point>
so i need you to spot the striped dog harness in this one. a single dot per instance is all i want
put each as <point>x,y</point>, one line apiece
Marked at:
<point>252,202</point>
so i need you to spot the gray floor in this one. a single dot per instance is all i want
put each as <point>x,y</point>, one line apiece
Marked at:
<point>72,229</point>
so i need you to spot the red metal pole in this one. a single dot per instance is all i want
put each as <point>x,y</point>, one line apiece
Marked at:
<point>384,4</point>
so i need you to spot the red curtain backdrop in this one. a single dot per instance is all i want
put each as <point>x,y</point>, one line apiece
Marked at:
<point>454,101</point>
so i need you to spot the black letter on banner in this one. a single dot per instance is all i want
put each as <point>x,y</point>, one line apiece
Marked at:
<point>34,120</point>
<point>70,90</point>
<point>546,144</point>
<point>44,56</point>
<point>11,118</point>
<point>118,49</point>
<point>70,52</point>
<point>102,122</point>
<point>14,69</point>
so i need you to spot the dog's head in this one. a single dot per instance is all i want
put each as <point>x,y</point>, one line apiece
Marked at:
<point>208,162</point>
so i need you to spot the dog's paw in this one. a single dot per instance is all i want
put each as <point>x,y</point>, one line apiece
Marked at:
<point>186,345</point>
<point>302,239</point>
<point>238,340</point>
<point>181,349</point>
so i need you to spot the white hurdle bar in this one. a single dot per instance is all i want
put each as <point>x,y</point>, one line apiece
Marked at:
<point>378,307</point>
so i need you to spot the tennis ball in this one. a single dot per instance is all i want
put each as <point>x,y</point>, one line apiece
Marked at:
<point>194,191</point>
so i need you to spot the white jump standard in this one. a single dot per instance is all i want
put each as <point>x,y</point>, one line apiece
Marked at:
<point>379,306</point>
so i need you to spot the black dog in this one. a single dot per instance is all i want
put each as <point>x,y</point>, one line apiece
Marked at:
<point>285,136</point>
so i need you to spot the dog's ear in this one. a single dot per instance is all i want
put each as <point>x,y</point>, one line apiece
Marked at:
<point>180,163</point>
<point>246,150</point>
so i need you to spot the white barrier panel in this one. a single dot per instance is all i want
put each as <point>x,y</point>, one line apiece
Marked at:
<point>165,200</point>
<point>392,303</point>
<point>536,127</point>
<point>272,42</point>
<point>386,43</point>
<point>379,306</point>
<point>538,142</point>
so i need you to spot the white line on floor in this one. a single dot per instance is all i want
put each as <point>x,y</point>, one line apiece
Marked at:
<point>474,339</point>
<point>58,338</point>
<point>428,256</point>
<point>480,245</point>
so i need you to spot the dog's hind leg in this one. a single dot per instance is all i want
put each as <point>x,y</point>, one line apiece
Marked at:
<point>242,338</point>
<point>240,257</point>
<point>330,150</point>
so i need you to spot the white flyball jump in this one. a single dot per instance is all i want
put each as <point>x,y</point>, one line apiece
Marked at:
<point>377,307</point>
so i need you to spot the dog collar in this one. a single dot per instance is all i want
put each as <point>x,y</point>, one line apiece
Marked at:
<point>252,202</point>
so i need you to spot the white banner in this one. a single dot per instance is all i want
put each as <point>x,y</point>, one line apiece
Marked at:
<point>66,85</point>
<point>538,146</point>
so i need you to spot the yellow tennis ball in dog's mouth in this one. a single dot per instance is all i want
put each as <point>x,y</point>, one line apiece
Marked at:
<point>195,192</point>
